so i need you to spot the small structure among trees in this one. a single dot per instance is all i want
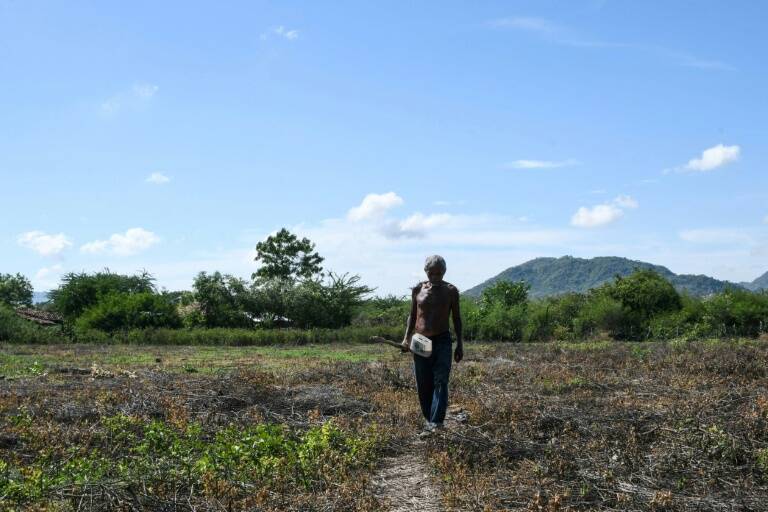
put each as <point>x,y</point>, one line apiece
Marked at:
<point>40,317</point>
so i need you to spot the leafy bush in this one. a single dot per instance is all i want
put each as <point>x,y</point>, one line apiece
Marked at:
<point>78,292</point>
<point>643,295</point>
<point>15,290</point>
<point>121,311</point>
<point>500,323</point>
<point>237,337</point>
<point>506,293</point>
<point>389,310</point>
<point>165,459</point>
<point>329,304</point>
<point>599,313</point>
<point>16,330</point>
<point>740,311</point>
<point>224,300</point>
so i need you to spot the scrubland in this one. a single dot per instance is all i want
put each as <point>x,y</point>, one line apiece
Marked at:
<point>602,425</point>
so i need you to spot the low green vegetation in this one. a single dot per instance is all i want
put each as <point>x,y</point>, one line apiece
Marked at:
<point>291,299</point>
<point>584,425</point>
<point>641,306</point>
<point>165,459</point>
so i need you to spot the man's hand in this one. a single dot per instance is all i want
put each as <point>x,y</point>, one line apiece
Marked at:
<point>458,353</point>
<point>405,346</point>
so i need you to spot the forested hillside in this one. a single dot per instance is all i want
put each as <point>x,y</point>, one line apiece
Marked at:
<point>554,276</point>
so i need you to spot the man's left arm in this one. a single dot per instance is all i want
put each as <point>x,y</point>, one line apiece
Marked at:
<point>458,353</point>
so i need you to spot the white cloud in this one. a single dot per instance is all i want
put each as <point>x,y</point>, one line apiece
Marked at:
<point>625,202</point>
<point>145,91</point>
<point>44,244</point>
<point>138,94</point>
<point>281,31</point>
<point>717,236</point>
<point>711,158</point>
<point>157,178</point>
<point>417,225</point>
<point>47,277</point>
<point>598,215</point>
<point>554,33</point>
<point>541,164</point>
<point>131,242</point>
<point>374,205</point>
<point>602,214</point>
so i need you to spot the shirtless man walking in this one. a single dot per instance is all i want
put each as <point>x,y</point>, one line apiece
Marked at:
<point>432,302</point>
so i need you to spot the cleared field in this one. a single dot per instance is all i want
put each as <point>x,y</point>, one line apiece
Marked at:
<point>589,426</point>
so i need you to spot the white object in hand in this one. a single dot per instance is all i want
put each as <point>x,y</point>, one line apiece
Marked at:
<point>421,345</point>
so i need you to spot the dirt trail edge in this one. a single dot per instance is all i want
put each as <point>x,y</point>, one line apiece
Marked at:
<point>404,482</point>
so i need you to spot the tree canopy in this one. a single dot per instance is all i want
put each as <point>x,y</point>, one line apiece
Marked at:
<point>80,291</point>
<point>15,290</point>
<point>284,256</point>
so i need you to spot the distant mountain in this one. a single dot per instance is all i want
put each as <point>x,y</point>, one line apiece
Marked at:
<point>554,276</point>
<point>761,283</point>
<point>38,297</point>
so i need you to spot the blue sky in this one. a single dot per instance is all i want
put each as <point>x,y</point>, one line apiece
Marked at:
<point>173,136</point>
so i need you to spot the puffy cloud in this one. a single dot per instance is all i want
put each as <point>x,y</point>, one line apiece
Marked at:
<point>602,214</point>
<point>711,158</point>
<point>541,164</point>
<point>374,205</point>
<point>625,202</point>
<point>157,178</point>
<point>131,242</point>
<point>44,244</point>
<point>417,225</point>
<point>598,215</point>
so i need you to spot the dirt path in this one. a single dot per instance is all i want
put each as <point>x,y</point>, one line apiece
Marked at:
<point>404,482</point>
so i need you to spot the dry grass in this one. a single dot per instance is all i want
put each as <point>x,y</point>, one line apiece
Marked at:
<point>599,426</point>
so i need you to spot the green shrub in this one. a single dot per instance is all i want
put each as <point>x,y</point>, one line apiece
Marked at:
<point>17,330</point>
<point>599,313</point>
<point>737,312</point>
<point>78,292</point>
<point>223,301</point>
<point>389,310</point>
<point>129,311</point>
<point>237,337</point>
<point>15,290</point>
<point>167,459</point>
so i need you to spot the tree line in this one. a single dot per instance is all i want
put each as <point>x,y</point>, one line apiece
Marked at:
<point>291,289</point>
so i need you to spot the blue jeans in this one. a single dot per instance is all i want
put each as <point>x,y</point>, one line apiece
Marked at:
<point>432,378</point>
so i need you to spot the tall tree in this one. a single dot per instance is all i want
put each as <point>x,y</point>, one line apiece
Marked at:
<point>15,290</point>
<point>79,291</point>
<point>284,256</point>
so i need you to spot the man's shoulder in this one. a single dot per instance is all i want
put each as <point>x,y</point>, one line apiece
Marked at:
<point>451,287</point>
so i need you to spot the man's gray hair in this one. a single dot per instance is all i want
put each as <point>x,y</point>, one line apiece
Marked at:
<point>435,261</point>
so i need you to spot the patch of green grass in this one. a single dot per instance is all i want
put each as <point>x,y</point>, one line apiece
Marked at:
<point>585,346</point>
<point>163,459</point>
